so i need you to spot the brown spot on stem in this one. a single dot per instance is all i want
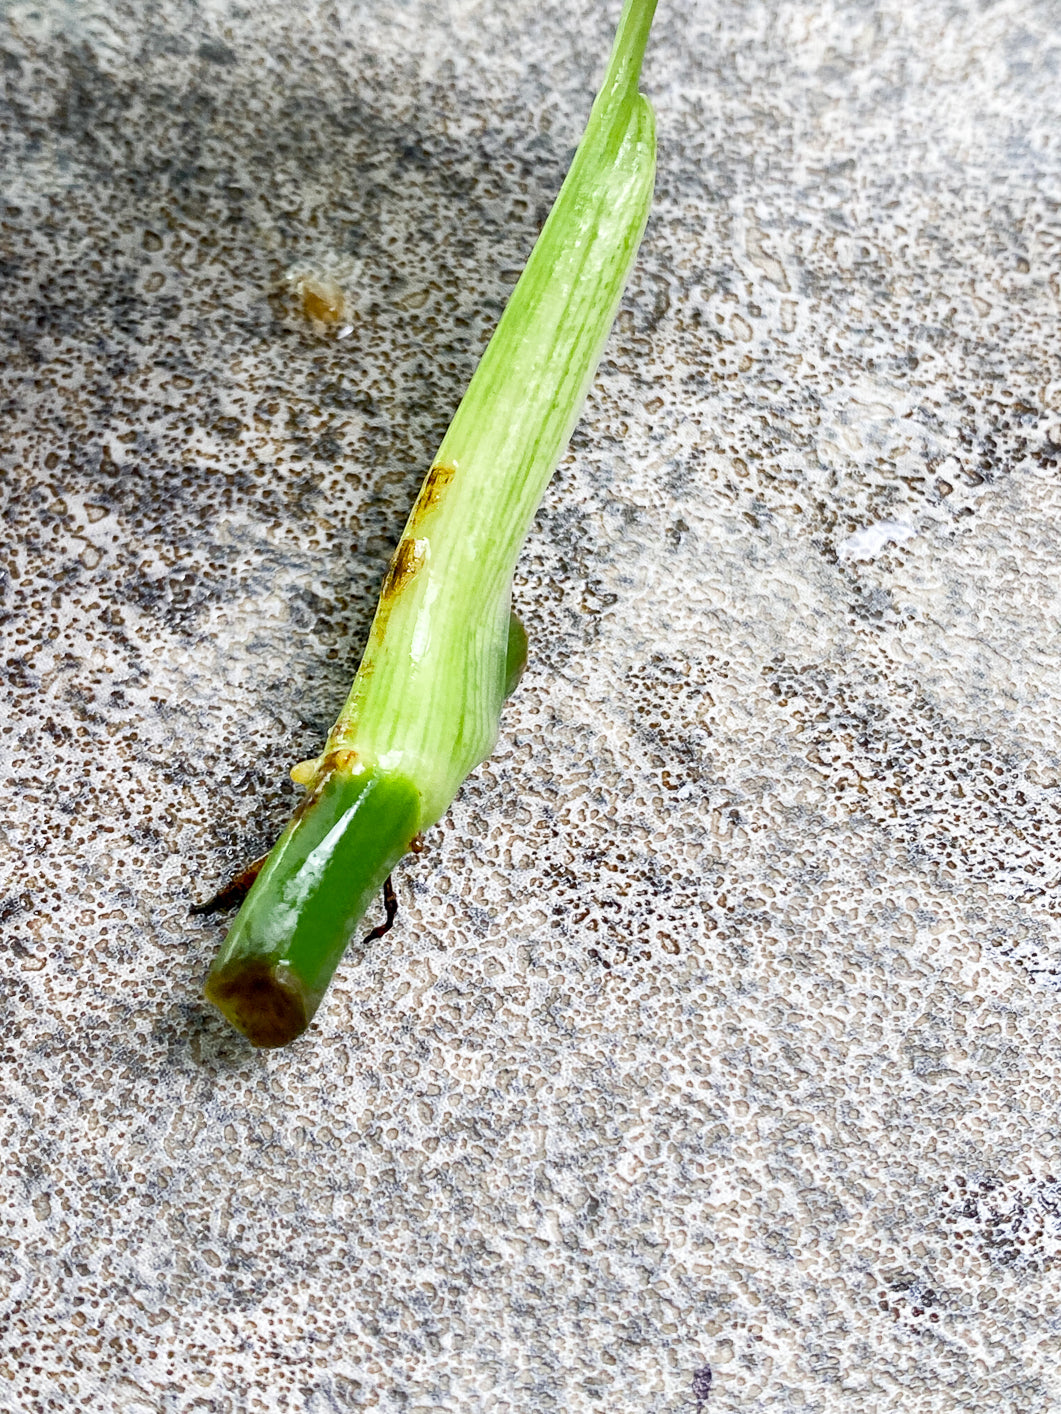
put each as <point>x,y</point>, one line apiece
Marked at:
<point>341,759</point>
<point>408,558</point>
<point>324,767</point>
<point>266,1002</point>
<point>433,489</point>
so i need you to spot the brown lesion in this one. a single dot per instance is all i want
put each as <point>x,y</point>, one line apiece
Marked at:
<point>332,763</point>
<point>411,554</point>
<point>433,490</point>
<point>318,771</point>
<point>407,559</point>
<point>263,1000</point>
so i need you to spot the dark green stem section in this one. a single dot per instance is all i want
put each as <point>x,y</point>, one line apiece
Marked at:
<point>326,868</point>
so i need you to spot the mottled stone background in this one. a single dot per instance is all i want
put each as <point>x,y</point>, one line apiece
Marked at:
<point>720,1027</point>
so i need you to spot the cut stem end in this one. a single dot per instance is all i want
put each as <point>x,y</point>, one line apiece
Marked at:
<point>265,1001</point>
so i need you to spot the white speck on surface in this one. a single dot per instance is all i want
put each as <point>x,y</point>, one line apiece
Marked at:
<point>867,543</point>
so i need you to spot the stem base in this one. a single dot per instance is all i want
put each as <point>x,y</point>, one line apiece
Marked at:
<point>313,890</point>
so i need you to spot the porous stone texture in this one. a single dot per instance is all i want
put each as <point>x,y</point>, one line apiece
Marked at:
<point>714,1063</point>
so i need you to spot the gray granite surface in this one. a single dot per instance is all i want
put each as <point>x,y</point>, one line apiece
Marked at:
<point>720,1027</point>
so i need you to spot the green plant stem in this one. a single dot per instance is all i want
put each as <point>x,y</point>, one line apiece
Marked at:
<point>443,649</point>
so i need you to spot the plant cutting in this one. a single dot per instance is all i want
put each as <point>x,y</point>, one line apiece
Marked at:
<point>444,649</point>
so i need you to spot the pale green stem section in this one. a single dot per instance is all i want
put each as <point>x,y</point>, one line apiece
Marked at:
<point>427,698</point>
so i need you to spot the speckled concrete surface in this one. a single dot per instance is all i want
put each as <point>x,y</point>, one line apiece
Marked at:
<point>720,1028</point>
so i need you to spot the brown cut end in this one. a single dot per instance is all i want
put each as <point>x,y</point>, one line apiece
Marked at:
<point>266,1002</point>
